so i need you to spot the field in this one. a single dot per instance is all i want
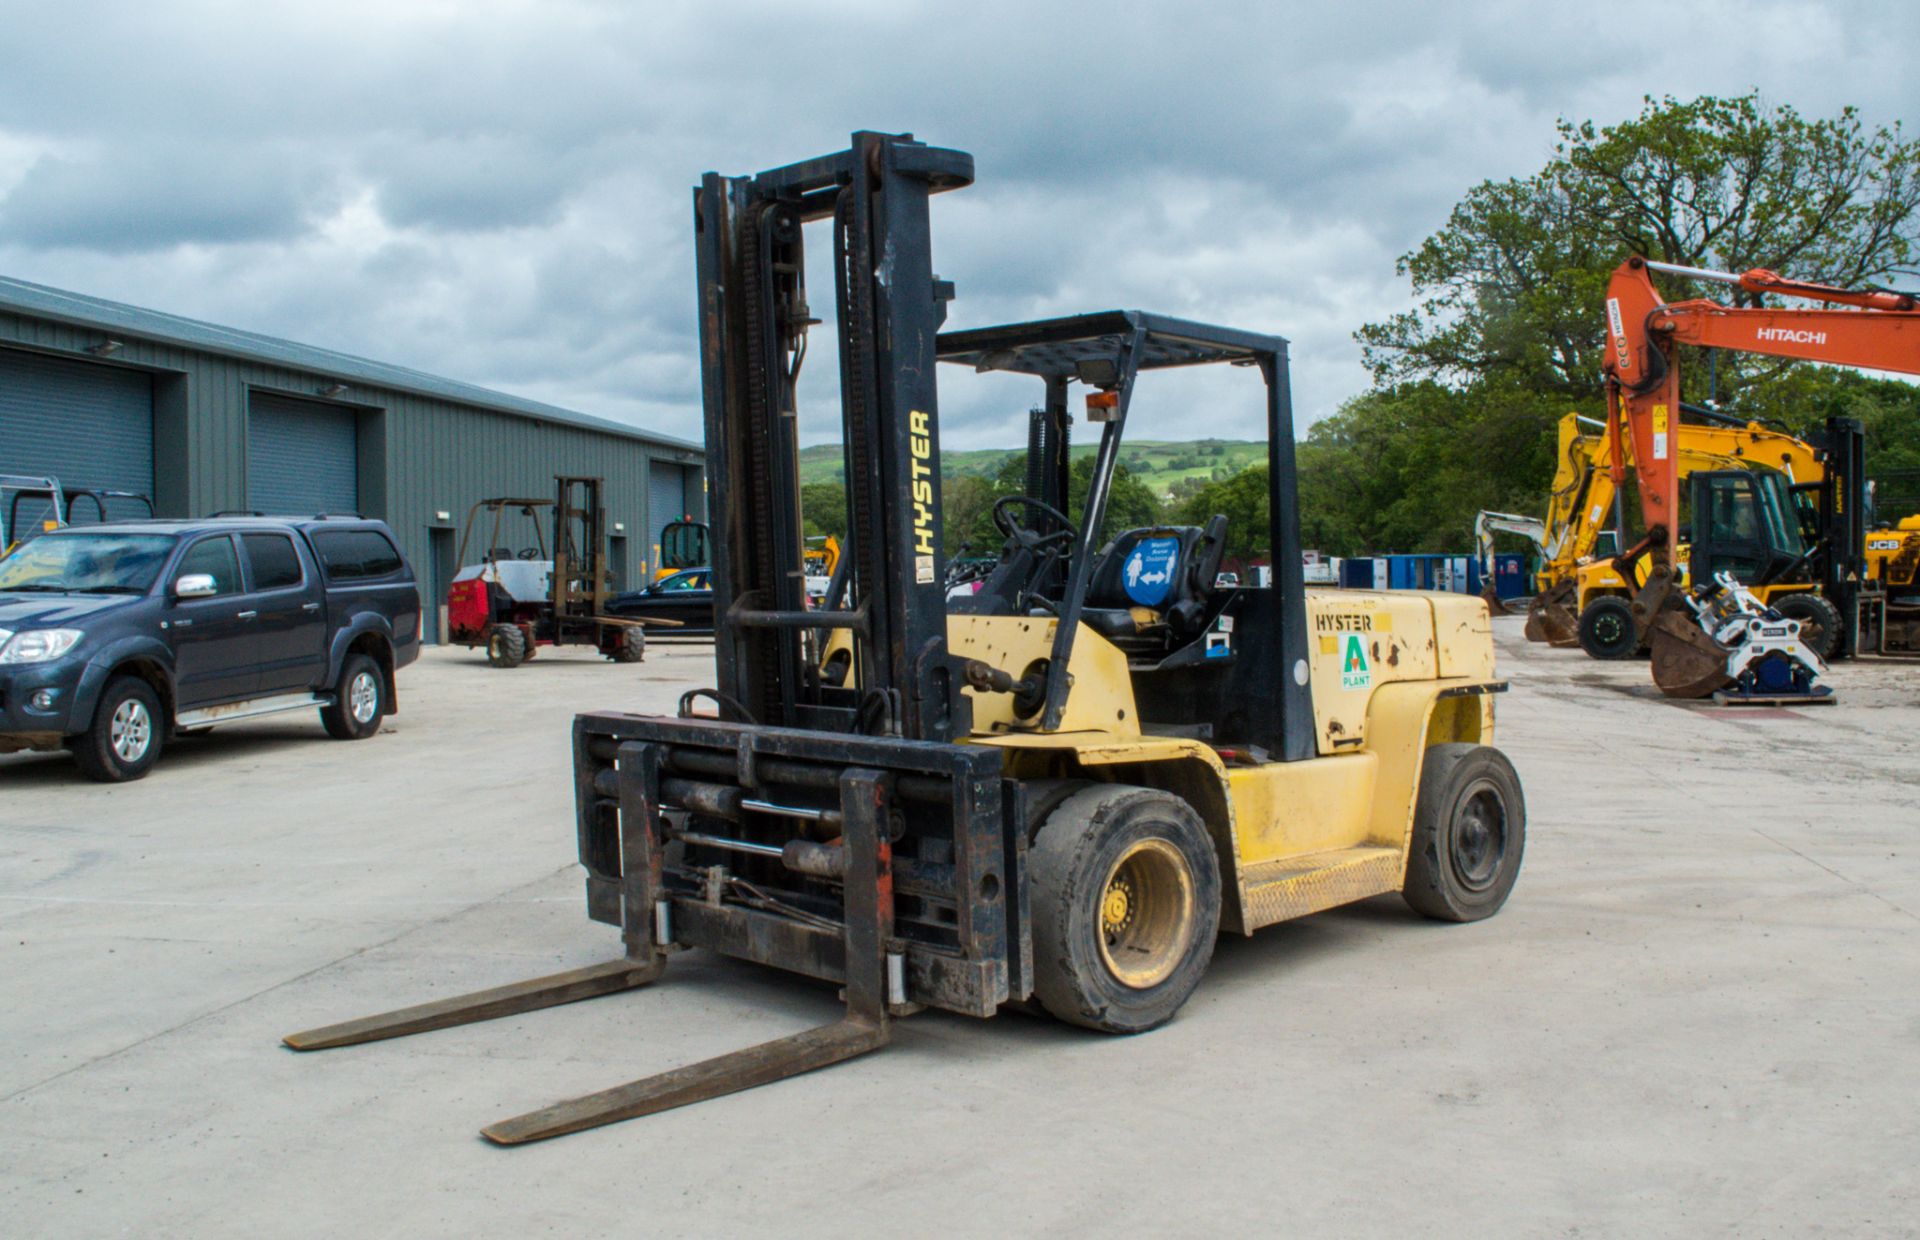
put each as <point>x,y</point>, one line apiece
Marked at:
<point>1158,463</point>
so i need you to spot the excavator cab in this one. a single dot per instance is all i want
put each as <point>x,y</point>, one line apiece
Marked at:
<point>1744,522</point>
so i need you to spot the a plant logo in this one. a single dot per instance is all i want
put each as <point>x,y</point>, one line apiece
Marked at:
<point>1355,671</point>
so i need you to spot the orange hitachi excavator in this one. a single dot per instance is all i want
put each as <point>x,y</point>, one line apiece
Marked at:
<point>1716,638</point>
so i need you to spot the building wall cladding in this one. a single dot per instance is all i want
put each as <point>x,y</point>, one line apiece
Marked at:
<point>419,455</point>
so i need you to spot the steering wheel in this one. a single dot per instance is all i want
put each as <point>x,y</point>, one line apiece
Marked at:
<point>529,553</point>
<point>1004,522</point>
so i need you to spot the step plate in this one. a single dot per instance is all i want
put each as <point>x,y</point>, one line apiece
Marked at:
<point>1296,886</point>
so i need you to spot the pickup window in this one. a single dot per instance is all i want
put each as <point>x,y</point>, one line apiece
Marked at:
<point>86,563</point>
<point>356,555</point>
<point>214,557</point>
<point>272,563</point>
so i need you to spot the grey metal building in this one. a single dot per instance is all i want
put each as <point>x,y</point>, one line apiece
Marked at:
<point>206,418</point>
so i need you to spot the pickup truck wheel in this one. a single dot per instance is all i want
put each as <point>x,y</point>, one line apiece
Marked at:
<point>506,645</point>
<point>359,700</point>
<point>630,646</point>
<point>1126,906</point>
<point>126,735</point>
<point>1469,832</point>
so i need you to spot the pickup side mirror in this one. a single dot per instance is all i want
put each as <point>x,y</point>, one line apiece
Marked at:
<point>195,585</point>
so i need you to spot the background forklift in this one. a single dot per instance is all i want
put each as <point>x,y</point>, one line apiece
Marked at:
<point>513,601</point>
<point>683,545</point>
<point>1057,796</point>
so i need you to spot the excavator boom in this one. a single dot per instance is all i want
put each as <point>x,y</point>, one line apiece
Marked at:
<point>1872,328</point>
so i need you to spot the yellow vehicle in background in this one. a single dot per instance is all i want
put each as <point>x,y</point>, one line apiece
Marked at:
<point>1582,599</point>
<point>682,545</point>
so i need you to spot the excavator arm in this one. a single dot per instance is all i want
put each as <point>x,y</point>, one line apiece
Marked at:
<point>1874,329</point>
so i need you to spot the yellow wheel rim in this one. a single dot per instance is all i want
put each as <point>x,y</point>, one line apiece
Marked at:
<point>1146,914</point>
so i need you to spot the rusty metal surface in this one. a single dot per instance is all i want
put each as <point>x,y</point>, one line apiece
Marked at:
<point>575,984</point>
<point>950,864</point>
<point>1550,617</point>
<point>712,1078</point>
<point>1686,662</point>
<point>1296,886</point>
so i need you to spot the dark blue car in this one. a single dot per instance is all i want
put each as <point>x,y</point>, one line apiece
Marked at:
<point>684,597</point>
<point>114,637</point>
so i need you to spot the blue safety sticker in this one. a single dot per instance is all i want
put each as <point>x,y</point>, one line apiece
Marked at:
<point>1148,572</point>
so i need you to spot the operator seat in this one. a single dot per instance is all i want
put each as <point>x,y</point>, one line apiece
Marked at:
<point>1150,586</point>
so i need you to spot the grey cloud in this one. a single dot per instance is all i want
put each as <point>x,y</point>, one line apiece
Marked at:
<point>121,199</point>
<point>501,194</point>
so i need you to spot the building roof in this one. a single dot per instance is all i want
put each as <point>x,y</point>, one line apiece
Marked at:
<point>39,301</point>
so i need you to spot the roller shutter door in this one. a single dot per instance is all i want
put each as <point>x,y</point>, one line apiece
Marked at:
<point>87,425</point>
<point>302,456</point>
<point>666,503</point>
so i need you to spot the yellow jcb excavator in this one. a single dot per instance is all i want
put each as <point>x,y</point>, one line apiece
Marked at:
<point>1580,599</point>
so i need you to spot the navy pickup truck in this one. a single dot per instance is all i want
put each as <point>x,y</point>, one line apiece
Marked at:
<point>115,637</point>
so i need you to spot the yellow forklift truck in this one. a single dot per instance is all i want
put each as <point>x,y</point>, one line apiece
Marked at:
<point>1056,792</point>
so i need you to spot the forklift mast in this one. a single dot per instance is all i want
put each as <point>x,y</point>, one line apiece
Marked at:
<point>754,318</point>
<point>579,548</point>
<point>1841,562</point>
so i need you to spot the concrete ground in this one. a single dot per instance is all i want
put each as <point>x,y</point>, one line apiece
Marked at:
<point>1698,1015</point>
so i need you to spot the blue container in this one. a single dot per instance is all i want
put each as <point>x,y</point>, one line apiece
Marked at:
<point>1510,574</point>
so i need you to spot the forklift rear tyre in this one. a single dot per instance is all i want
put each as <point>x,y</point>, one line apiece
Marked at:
<point>359,701</point>
<point>1819,620</point>
<point>1469,831</point>
<point>1126,905</point>
<point>506,646</point>
<point>1606,629</point>
<point>630,647</point>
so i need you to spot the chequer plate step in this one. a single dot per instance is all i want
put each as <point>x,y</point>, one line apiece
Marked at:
<point>1296,886</point>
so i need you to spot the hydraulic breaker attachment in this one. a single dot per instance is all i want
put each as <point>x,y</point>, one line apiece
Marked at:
<point>1720,639</point>
<point>1686,662</point>
<point>1550,617</point>
<point>874,981</point>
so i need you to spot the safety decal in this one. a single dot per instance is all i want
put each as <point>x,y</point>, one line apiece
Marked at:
<point>1355,671</point>
<point>1148,572</point>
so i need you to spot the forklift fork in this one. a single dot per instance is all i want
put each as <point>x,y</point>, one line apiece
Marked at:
<point>868,928</point>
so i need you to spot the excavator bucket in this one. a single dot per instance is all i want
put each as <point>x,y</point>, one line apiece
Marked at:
<point>1550,617</point>
<point>1686,662</point>
<point>1496,606</point>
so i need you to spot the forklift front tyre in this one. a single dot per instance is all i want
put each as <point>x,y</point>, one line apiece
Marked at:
<point>1819,620</point>
<point>1469,831</point>
<point>506,646</point>
<point>629,645</point>
<point>1126,906</point>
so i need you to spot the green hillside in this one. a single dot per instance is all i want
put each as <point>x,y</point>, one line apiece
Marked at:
<point>1160,464</point>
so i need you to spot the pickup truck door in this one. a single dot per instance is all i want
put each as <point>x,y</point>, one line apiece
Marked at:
<point>213,638</point>
<point>283,587</point>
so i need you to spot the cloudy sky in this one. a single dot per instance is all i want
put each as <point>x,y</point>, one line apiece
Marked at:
<point>499,192</point>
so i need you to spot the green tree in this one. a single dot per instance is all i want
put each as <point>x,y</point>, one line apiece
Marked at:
<point>967,509</point>
<point>1507,329</point>
<point>823,509</point>
<point>1244,501</point>
<point>1511,287</point>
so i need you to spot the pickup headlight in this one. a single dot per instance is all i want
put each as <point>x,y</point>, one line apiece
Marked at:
<point>39,645</point>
